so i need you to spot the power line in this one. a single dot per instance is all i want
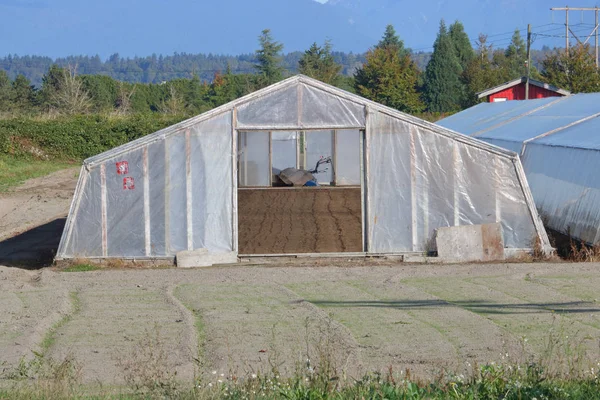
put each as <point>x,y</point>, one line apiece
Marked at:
<point>569,32</point>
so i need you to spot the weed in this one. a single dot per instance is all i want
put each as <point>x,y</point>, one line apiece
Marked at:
<point>146,369</point>
<point>80,268</point>
<point>50,336</point>
<point>571,249</point>
<point>44,378</point>
<point>581,252</point>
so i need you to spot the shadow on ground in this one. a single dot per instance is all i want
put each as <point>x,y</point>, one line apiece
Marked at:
<point>34,248</point>
<point>478,306</point>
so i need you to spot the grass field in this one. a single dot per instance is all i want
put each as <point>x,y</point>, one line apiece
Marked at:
<point>14,171</point>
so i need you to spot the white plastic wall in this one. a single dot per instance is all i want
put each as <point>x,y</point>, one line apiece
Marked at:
<point>175,194</point>
<point>178,191</point>
<point>419,181</point>
<point>564,189</point>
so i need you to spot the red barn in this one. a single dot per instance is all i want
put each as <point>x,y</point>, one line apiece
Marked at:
<point>515,90</point>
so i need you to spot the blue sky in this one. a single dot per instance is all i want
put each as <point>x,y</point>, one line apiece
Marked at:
<point>143,27</point>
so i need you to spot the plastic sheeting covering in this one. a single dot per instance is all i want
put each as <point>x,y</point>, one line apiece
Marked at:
<point>559,146</point>
<point>567,196</point>
<point>347,161</point>
<point>300,106</point>
<point>419,181</point>
<point>486,115</point>
<point>172,195</point>
<point>175,190</point>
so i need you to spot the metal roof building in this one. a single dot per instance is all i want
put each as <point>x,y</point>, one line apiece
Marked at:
<point>559,144</point>
<point>515,90</point>
<point>178,189</point>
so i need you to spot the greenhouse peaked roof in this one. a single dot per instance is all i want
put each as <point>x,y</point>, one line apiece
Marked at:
<point>350,103</point>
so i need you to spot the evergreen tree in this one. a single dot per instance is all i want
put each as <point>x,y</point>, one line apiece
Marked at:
<point>103,90</point>
<point>23,94</point>
<point>269,59</point>
<point>51,83</point>
<point>462,44</point>
<point>465,54</point>
<point>516,57</point>
<point>443,88</point>
<point>222,89</point>
<point>575,71</point>
<point>389,76</point>
<point>317,62</point>
<point>391,39</point>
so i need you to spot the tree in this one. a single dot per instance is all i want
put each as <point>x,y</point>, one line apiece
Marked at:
<point>442,87</point>
<point>465,54</point>
<point>462,44</point>
<point>516,57</point>
<point>66,91</point>
<point>123,100</point>
<point>391,39</point>
<point>51,83</point>
<point>389,78</point>
<point>481,72</point>
<point>269,59</point>
<point>5,91</point>
<point>575,71</point>
<point>173,103</point>
<point>317,62</point>
<point>23,93</point>
<point>223,89</point>
<point>103,91</point>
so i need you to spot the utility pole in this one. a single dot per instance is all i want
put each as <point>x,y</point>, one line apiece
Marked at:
<point>528,61</point>
<point>569,32</point>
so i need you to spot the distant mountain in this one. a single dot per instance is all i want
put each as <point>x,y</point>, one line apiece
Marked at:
<point>134,27</point>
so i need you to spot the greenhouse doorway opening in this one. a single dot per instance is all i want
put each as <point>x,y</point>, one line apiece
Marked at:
<point>300,191</point>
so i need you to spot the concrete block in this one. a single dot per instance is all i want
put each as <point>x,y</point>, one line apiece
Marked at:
<point>471,243</point>
<point>203,258</point>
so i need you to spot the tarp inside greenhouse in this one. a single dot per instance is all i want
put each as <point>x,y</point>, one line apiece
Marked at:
<point>559,145</point>
<point>387,182</point>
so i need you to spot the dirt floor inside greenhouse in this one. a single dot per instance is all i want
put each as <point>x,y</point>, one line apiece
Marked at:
<point>299,220</point>
<point>360,315</point>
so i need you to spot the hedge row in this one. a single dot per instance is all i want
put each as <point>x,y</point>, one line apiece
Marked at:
<point>76,137</point>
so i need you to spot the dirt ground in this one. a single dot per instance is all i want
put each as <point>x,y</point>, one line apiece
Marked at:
<point>32,217</point>
<point>361,315</point>
<point>241,320</point>
<point>299,220</point>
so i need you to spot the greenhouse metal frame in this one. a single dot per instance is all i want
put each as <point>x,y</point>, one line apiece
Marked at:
<point>177,189</point>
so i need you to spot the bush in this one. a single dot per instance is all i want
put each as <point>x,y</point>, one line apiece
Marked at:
<point>77,137</point>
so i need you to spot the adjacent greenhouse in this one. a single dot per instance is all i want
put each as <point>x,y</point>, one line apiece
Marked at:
<point>297,167</point>
<point>560,149</point>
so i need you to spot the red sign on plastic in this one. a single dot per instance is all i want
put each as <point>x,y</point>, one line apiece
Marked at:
<point>128,183</point>
<point>122,168</point>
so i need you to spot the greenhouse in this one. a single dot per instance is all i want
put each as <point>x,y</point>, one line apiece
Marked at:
<point>299,167</point>
<point>560,149</point>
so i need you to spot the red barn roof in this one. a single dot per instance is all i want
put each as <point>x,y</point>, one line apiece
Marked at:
<point>515,90</point>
